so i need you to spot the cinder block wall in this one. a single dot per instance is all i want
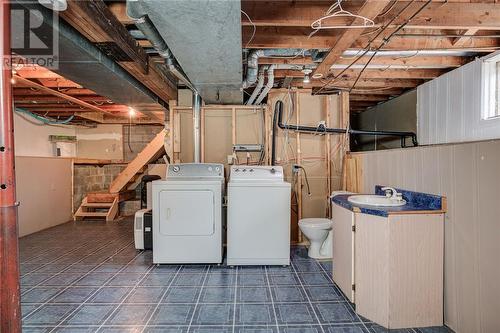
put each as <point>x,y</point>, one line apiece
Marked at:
<point>140,136</point>
<point>91,178</point>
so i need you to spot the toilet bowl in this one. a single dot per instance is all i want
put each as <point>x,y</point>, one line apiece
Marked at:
<point>319,233</point>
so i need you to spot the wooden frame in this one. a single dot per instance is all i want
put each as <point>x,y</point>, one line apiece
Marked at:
<point>175,126</point>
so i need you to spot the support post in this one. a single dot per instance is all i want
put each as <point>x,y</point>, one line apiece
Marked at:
<point>197,126</point>
<point>296,99</point>
<point>10,310</point>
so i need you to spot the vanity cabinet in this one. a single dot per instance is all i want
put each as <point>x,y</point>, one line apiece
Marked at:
<point>391,266</point>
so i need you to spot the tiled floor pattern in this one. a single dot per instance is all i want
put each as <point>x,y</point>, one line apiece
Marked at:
<point>87,277</point>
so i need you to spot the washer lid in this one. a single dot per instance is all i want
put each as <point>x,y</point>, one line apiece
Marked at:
<point>322,223</point>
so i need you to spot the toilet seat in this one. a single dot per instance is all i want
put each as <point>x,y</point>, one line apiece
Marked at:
<point>320,223</point>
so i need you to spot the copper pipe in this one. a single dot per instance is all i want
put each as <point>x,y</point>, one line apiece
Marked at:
<point>10,309</point>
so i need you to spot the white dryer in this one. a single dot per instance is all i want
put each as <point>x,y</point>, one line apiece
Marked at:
<point>258,216</point>
<point>187,214</point>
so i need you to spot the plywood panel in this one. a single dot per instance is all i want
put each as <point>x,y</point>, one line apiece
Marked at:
<point>217,136</point>
<point>313,154</point>
<point>250,130</point>
<point>467,174</point>
<point>186,154</point>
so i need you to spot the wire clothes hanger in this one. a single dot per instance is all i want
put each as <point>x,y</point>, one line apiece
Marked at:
<point>330,13</point>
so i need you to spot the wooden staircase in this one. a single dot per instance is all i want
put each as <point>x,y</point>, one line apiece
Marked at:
<point>100,205</point>
<point>151,152</point>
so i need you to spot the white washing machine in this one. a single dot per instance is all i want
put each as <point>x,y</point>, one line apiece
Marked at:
<point>258,216</point>
<point>187,214</point>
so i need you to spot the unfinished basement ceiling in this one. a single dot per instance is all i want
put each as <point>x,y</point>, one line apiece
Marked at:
<point>82,62</point>
<point>205,38</point>
<point>209,40</point>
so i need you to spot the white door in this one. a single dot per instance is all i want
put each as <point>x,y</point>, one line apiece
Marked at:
<point>343,254</point>
<point>187,213</point>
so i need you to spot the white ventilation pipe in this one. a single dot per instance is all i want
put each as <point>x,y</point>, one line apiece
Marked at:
<point>252,68</point>
<point>269,84</point>
<point>197,127</point>
<point>258,88</point>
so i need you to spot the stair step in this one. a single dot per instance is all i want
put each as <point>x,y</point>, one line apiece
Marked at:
<point>91,214</point>
<point>97,204</point>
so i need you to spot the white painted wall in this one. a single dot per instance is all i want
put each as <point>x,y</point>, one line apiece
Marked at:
<point>32,139</point>
<point>467,174</point>
<point>105,141</point>
<point>450,107</point>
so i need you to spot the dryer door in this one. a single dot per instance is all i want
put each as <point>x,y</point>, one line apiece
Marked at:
<point>187,212</point>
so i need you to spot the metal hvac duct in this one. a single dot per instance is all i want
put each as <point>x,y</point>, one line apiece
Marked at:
<point>205,38</point>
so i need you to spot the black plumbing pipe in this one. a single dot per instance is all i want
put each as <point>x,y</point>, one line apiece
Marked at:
<point>278,121</point>
<point>275,128</point>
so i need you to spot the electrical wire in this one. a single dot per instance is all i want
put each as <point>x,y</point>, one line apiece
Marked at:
<point>253,25</point>
<point>45,120</point>
<point>366,49</point>
<point>305,176</point>
<point>386,40</point>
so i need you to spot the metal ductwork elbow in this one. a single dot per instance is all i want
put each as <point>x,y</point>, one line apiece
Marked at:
<point>258,87</point>
<point>144,24</point>
<point>252,68</point>
<point>269,84</point>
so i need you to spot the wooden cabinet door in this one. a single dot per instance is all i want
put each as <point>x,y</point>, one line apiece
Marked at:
<point>343,250</point>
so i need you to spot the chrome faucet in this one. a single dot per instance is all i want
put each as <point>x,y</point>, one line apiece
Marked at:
<point>391,192</point>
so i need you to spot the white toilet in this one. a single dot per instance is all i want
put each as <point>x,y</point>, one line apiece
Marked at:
<point>319,233</point>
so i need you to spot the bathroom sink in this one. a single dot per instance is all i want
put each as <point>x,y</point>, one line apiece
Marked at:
<point>376,201</point>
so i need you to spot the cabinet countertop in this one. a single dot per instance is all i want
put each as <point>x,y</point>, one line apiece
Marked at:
<point>417,203</point>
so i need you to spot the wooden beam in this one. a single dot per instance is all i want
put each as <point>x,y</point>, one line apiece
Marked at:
<point>97,117</point>
<point>438,15</point>
<point>101,24</point>
<point>119,9</point>
<point>409,61</point>
<point>372,73</point>
<point>297,37</point>
<point>59,94</point>
<point>372,98</point>
<point>370,10</point>
<point>460,41</point>
<point>362,83</point>
<point>28,90</point>
<point>55,99</point>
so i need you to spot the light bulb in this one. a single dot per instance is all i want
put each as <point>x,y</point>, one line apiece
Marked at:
<point>306,78</point>
<point>131,111</point>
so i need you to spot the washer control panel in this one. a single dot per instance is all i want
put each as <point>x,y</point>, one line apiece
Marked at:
<point>256,173</point>
<point>195,170</point>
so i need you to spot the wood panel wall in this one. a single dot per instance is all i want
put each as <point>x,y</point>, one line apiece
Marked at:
<point>468,175</point>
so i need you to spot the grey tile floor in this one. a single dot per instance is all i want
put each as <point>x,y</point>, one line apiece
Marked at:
<point>87,277</point>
